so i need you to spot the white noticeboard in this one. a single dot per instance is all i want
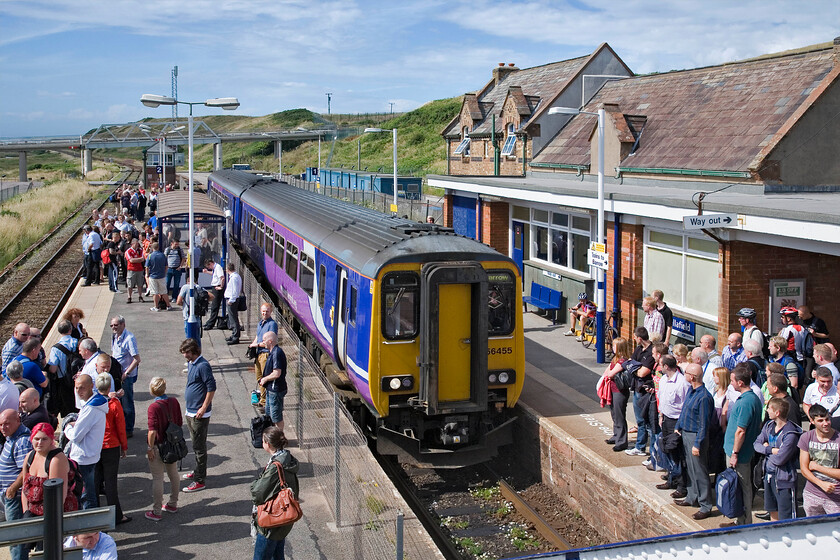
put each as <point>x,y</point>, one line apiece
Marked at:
<point>598,259</point>
<point>784,293</point>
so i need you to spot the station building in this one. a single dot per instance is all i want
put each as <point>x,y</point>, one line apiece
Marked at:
<point>756,138</point>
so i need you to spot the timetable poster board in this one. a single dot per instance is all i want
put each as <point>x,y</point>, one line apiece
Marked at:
<point>784,293</point>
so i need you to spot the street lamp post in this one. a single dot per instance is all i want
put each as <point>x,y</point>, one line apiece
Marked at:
<point>601,292</point>
<point>394,207</point>
<point>228,104</point>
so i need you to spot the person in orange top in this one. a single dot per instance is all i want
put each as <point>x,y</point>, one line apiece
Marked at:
<point>114,446</point>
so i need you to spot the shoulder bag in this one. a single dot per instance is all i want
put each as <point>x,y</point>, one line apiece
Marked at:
<point>281,509</point>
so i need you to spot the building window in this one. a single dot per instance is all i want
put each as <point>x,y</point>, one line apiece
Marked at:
<point>510,141</point>
<point>685,268</point>
<point>559,238</point>
<point>463,148</point>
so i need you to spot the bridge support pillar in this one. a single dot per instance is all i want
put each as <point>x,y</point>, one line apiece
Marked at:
<point>87,163</point>
<point>22,167</point>
<point>278,153</point>
<point>217,156</point>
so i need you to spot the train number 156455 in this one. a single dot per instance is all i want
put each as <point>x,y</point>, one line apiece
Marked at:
<point>503,350</point>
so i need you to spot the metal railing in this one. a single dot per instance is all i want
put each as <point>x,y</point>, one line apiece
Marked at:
<point>418,210</point>
<point>359,493</point>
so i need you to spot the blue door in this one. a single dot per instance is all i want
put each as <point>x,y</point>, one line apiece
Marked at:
<point>464,215</point>
<point>519,245</point>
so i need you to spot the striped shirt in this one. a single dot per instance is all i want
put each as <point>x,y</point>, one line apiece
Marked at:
<point>697,414</point>
<point>12,457</point>
<point>11,350</point>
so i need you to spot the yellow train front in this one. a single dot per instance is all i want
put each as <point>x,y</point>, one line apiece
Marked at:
<point>450,357</point>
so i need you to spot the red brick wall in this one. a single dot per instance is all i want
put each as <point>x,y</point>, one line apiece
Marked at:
<point>477,164</point>
<point>748,269</point>
<point>494,225</point>
<point>447,210</point>
<point>630,279</point>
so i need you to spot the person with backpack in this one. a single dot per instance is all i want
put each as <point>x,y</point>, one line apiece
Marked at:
<point>778,443</point>
<point>819,332</point>
<point>749,331</point>
<point>114,446</point>
<point>63,363</point>
<point>87,434</point>
<point>778,354</point>
<point>755,361</point>
<point>46,461</point>
<point>800,343</point>
<point>163,411</point>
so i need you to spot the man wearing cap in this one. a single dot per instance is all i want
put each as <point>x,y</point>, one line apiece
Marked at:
<point>746,316</point>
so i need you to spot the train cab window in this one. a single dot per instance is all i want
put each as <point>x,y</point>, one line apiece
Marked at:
<point>280,250</point>
<point>307,273</point>
<point>269,242</point>
<point>322,284</point>
<point>354,297</point>
<point>400,305</point>
<point>500,302</point>
<point>291,260</point>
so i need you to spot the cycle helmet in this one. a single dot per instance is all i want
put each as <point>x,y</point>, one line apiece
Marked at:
<point>746,313</point>
<point>583,295</point>
<point>788,310</point>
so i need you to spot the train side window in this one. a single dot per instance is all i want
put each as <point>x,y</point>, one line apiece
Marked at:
<point>261,234</point>
<point>501,297</point>
<point>253,231</point>
<point>400,305</point>
<point>307,273</point>
<point>354,296</point>
<point>280,250</point>
<point>291,260</point>
<point>322,284</point>
<point>269,242</point>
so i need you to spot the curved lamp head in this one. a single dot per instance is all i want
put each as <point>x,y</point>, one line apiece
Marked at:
<point>563,111</point>
<point>226,103</point>
<point>151,100</point>
<point>374,130</point>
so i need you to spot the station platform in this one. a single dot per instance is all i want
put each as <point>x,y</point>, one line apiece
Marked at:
<point>215,523</point>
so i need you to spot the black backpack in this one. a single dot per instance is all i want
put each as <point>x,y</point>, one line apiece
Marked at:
<point>258,426</point>
<point>624,378</point>
<point>173,448</point>
<point>77,483</point>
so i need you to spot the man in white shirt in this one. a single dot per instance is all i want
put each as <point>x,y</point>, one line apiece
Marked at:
<point>87,434</point>
<point>217,289</point>
<point>232,293</point>
<point>822,392</point>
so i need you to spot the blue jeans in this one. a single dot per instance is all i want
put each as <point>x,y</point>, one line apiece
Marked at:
<point>274,405</point>
<point>113,276</point>
<point>90,497</point>
<point>267,549</point>
<point>14,511</point>
<point>127,402</point>
<point>173,282</point>
<point>641,422</point>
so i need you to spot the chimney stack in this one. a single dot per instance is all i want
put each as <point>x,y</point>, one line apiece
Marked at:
<point>501,72</point>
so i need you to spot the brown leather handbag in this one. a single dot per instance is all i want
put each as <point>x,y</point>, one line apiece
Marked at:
<point>281,509</point>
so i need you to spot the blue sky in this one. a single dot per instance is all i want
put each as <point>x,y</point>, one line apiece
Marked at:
<point>68,66</point>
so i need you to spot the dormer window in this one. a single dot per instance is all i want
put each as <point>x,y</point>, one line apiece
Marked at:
<point>463,148</point>
<point>510,141</point>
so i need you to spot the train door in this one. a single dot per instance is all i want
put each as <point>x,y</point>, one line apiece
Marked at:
<point>519,246</point>
<point>340,337</point>
<point>453,344</point>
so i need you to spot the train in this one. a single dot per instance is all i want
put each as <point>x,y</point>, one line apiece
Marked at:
<point>418,328</point>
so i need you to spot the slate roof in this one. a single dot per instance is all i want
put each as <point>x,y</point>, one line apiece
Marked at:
<point>723,118</point>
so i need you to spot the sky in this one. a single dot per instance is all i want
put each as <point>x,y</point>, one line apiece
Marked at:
<point>67,67</point>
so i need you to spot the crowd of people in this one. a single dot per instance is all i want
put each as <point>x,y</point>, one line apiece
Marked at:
<point>766,406</point>
<point>68,411</point>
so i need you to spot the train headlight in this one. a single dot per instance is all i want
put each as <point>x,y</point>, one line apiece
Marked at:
<point>395,383</point>
<point>407,382</point>
<point>492,378</point>
<point>504,377</point>
<point>501,377</point>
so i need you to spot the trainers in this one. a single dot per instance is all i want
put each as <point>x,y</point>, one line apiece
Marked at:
<point>580,338</point>
<point>154,309</point>
<point>152,516</point>
<point>188,476</point>
<point>569,333</point>
<point>170,509</point>
<point>635,452</point>
<point>194,487</point>
<point>646,462</point>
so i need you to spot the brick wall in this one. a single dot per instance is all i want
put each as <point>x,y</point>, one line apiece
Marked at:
<point>447,209</point>
<point>494,225</point>
<point>630,279</point>
<point>748,269</point>
<point>477,164</point>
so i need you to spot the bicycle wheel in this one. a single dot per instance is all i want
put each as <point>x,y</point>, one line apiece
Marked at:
<point>610,334</point>
<point>588,334</point>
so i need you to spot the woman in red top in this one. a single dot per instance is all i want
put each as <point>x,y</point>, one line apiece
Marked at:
<point>35,471</point>
<point>114,446</point>
<point>162,411</point>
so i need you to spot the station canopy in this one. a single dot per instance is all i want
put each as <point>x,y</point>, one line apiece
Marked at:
<point>173,212</point>
<point>174,207</point>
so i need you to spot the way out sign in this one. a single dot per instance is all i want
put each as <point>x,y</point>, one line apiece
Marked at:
<point>710,221</point>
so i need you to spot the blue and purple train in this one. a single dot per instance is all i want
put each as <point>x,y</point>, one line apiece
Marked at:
<point>419,328</point>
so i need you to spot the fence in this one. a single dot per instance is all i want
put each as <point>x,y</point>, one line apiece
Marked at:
<point>417,210</point>
<point>359,494</point>
<point>10,189</point>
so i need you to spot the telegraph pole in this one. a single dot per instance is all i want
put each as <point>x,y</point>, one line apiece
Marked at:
<point>329,96</point>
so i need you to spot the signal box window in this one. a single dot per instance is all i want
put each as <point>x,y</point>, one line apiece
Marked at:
<point>500,302</point>
<point>400,305</point>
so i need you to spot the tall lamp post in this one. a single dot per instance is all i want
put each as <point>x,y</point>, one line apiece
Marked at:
<point>228,104</point>
<point>394,207</point>
<point>601,295</point>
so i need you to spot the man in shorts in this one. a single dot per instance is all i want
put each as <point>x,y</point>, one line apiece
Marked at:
<point>134,276</point>
<point>583,311</point>
<point>274,379</point>
<point>819,450</point>
<point>156,265</point>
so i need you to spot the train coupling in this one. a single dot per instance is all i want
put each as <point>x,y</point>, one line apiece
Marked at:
<point>455,431</point>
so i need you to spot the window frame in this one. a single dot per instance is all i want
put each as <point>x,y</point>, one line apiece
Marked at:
<point>510,141</point>
<point>569,229</point>
<point>279,240</point>
<point>385,290</point>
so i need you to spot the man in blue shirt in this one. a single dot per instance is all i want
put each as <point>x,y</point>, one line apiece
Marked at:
<point>95,546</point>
<point>156,267</point>
<point>742,429</point>
<point>14,345</point>
<point>274,379</point>
<point>266,324</point>
<point>124,350</point>
<point>694,424</point>
<point>31,370</point>
<point>14,453</point>
<point>57,368</point>
<point>198,399</point>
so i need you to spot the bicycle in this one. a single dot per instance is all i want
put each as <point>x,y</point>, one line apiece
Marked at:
<point>610,334</point>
